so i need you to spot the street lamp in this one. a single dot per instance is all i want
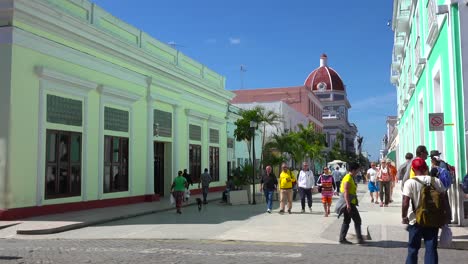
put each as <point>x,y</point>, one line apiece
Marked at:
<point>253,126</point>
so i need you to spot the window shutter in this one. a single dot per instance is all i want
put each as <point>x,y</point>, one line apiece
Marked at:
<point>214,136</point>
<point>195,132</point>
<point>64,111</point>
<point>115,119</point>
<point>164,121</point>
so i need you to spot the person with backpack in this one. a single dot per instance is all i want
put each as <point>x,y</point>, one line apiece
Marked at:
<point>426,195</point>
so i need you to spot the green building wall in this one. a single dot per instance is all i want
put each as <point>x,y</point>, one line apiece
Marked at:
<point>87,46</point>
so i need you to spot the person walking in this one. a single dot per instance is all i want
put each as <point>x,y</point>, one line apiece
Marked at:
<point>411,194</point>
<point>392,170</point>
<point>269,185</point>
<point>384,178</point>
<point>328,188</point>
<point>205,180</point>
<point>305,182</point>
<point>178,190</point>
<point>286,183</point>
<point>421,152</point>
<point>404,166</point>
<point>349,191</point>
<point>373,184</point>
<point>337,177</point>
<point>187,177</point>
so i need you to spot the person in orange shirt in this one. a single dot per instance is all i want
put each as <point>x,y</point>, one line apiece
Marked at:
<point>392,170</point>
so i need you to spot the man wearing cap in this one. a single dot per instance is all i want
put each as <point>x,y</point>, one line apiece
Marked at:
<point>411,193</point>
<point>421,152</point>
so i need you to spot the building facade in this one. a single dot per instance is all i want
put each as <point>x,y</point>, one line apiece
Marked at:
<point>328,86</point>
<point>95,112</point>
<point>299,98</point>
<point>430,55</point>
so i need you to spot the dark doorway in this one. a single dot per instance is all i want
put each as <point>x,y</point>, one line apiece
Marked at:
<point>228,170</point>
<point>159,168</point>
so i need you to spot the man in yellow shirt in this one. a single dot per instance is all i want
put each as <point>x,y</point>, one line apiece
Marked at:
<point>348,189</point>
<point>287,180</point>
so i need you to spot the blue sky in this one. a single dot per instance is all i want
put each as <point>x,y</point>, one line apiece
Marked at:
<point>280,43</point>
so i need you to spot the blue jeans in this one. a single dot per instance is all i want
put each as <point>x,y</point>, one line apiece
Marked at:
<point>269,198</point>
<point>416,232</point>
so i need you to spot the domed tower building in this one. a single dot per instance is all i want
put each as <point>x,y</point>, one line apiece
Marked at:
<point>328,86</point>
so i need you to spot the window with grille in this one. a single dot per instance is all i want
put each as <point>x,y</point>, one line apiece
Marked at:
<point>163,122</point>
<point>214,163</point>
<point>195,162</point>
<point>65,111</point>
<point>214,136</point>
<point>63,164</point>
<point>115,119</point>
<point>115,164</point>
<point>195,132</point>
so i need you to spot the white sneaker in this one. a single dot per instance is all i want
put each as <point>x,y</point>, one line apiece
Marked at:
<point>269,211</point>
<point>310,209</point>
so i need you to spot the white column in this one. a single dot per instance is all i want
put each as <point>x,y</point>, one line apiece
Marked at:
<point>150,141</point>
<point>175,140</point>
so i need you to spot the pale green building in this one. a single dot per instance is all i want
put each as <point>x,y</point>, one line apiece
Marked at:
<point>95,112</point>
<point>429,69</point>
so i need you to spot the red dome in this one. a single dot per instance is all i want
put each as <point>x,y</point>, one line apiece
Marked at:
<point>324,78</point>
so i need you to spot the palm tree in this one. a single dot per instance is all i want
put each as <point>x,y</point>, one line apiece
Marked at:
<point>243,130</point>
<point>266,118</point>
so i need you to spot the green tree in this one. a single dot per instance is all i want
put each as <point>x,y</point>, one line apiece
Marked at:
<point>243,132</point>
<point>267,118</point>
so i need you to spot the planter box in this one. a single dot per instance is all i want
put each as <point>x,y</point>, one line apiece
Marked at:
<point>238,197</point>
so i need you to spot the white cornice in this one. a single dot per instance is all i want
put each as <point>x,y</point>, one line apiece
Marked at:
<point>49,74</point>
<point>6,35</point>
<point>216,120</point>
<point>162,98</point>
<point>120,94</point>
<point>166,86</point>
<point>194,113</point>
<point>45,46</point>
<point>6,12</point>
<point>40,15</point>
<point>205,102</point>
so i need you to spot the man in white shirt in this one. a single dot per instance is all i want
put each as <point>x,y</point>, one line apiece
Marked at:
<point>411,194</point>
<point>373,184</point>
<point>305,182</point>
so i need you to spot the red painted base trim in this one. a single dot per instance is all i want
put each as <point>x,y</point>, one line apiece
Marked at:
<point>25,212</point>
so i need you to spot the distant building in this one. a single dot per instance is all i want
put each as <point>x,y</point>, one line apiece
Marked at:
<point>328,86</point>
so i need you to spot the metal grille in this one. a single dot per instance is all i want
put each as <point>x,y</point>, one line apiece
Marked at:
<point>230,143</point>
<point>195,132</point>
<point>64,111</point>
<point>163,123</point>
<point>115,119</point>
<point>214,136</point>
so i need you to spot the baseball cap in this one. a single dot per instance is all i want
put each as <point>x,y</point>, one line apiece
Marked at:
<point>419,164</point>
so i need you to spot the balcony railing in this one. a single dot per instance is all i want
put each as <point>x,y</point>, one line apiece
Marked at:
<point>394,76</point>
<point>418,60</point>
<point>396,62</point>
<point>433,27</point>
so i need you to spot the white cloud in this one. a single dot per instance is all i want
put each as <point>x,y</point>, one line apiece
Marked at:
<point>234,41</point>
<point>211,41</point>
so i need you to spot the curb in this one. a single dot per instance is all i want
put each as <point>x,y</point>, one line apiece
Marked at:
<point>48,231</point>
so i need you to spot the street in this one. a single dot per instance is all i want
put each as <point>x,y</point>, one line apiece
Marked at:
<point>203,251</point>
<point>222,233</point>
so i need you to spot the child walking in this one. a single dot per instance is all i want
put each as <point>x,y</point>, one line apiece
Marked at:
<point>327,187</point>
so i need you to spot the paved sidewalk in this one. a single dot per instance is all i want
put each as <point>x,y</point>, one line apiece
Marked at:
<point>50,224</point>
<point>382,225</point>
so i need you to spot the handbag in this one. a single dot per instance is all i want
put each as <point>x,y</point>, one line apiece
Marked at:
<point>172,199</point>
<point>446,236</point>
